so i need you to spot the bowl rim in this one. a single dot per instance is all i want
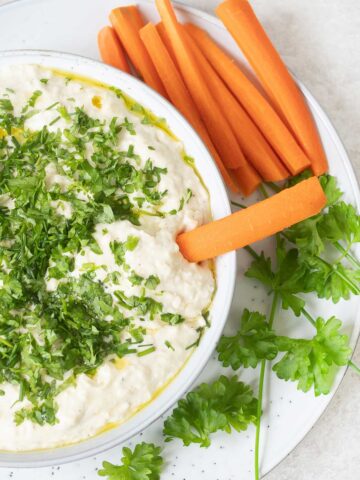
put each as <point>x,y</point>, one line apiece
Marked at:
<point>105,441</point>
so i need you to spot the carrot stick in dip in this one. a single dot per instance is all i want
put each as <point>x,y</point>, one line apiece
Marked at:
<point>126,29</point>
<point>259,109</point>
<point>214,119</point>
<point>241,21</point>
<point>178,93</point>
<point>111,50</point>
<point>254,223</point>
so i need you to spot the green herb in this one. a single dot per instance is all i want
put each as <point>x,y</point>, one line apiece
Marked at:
<point>143,353</point>
<point>135,279</point>
<point>143,463</point>
<point>63,112</point>
<point>254,342</point>
<point>50,107</point>
<point>32,100</point>
<point>196,343</point>
<point>6,105</point>
<point>119,249</point>
<point>310,362</point>
<point>172,318</point>
<point>47,336</point>
<point>168,344</point>
<point>54,121</point>
<point>304,263</point>
<point>290,278</point>
<point>225,404</point>
<point>44,80</point>
<point>183,201</point>
<point>152,282</point>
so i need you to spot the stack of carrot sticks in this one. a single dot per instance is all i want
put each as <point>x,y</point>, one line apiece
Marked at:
<point>251,138</point>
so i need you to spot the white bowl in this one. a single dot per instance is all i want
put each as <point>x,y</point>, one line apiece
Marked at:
<point>225,265</point>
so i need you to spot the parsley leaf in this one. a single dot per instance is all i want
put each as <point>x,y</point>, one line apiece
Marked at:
<point>253,342</point>
<point>341,222</point>
<point>311,363</point>
<point>222,405</point>
<point>143,463</point>
<point>119,249</point>
<point>172,318</point>
<point>288,280</point>
<point>152,282</point>
<point>330,281</point>
<point>6,105</point>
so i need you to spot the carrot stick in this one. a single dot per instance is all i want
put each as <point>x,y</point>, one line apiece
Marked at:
<point>166,40</point>
<point>257,222</point>
<point>241,21</point>
<point>126,29</point>
<point>214,119</point>
<point>135,16</point>
<point>111,51</point>
<point>171,78</point>
<point>247,178</point>
<point>177,91</point>
<point>253,144</point>
<point>265,117</point>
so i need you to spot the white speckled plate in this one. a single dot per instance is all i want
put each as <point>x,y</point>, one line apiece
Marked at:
<point>71,26</point>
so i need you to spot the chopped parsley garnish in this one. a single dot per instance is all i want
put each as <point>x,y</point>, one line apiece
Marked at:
<point>152,282</point>
<point>49,336</point>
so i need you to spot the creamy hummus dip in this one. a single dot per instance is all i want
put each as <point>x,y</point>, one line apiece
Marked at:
<point>99,310</point>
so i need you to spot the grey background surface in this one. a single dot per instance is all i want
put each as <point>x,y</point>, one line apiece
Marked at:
<point>320,41</point>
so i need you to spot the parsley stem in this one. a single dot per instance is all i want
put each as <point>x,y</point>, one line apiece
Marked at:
<point>260,393</point>
<point>354,288</point>
<point>347,254</point>
<point>240,205</point>
<point>252,252</point>
<point>274,187</point>
<point>258,419</point>
<point>5,342</point>
<point>308,316</point>
<point>263,191</point>
<point>354,366</point>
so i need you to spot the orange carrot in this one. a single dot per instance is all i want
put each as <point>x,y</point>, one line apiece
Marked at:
<point>171,78</point>
<point>135,16</point>
<point>128,33</point>
<point>241,21</point>
<point>214,119</point>
<point>265,117</point>
<point>111,50</point>
<point>254,223</point>
<point>177,91</point>
<point>166,40</point>
<point>253,144</point>
<point>247,178</point>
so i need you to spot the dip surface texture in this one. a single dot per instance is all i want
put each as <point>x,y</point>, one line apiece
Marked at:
<point>99,310</point>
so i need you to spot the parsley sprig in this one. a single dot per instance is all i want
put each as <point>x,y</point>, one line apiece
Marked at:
<point>305,263</point>
<point>225,404</point>
<point>142,463</point>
